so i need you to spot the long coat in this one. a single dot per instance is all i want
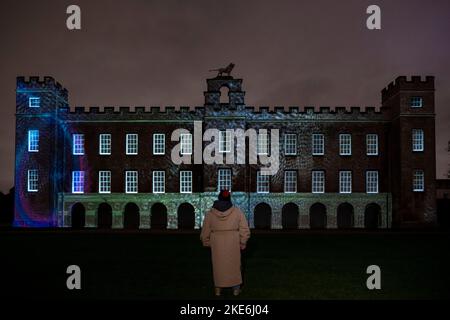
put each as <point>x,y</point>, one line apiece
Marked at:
<point>224,232</point>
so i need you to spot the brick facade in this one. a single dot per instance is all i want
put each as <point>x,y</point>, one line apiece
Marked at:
<point>395,204</point>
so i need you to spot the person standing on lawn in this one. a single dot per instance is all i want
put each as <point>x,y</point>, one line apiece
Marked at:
<point>225,230</point>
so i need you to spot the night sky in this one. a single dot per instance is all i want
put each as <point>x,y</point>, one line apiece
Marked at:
<point>131,53</point>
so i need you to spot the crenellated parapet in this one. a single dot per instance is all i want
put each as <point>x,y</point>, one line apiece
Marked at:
<point>46,83</point>
<point>402,83</point>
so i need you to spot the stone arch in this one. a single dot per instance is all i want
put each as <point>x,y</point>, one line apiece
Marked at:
<point>224,94</point>
<point>158,218</point>
<point>186,216</point>
<point>318,216</point>
<point>262,216</point>
<point>372,216</point>
<point>131,216</point>
<point>345,216</point>
<point>289,216</point>
<point>104,216</point>
<point>78,215</point>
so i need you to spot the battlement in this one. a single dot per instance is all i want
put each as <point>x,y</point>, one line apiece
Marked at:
<point>38,83</point>
<point>125,110</point>
<point>313,110</point>
<point>415,83</point>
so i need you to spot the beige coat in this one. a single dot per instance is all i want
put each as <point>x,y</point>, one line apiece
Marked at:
<point>224,232</point>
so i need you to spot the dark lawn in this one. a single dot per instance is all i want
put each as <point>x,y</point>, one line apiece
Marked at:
<point>303,265</point>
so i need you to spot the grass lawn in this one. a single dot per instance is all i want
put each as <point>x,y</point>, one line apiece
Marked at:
<point>304,265</point>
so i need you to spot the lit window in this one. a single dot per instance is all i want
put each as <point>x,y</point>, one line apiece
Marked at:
<point>263,143</point>
<point>159,143</point>
<point>104,182</point>
<point>132,144</point>
<point>186,143</point>
<point>33,140</point>
<point>372,144</point>
<point>416,102</point>
<point>78,144</point>
<point>418,181</point>
<point>290,181</point>
<point>33,179</point>
<point>372,181</point>
<point>224,180</point>
<point>225,141</point>
<point>317,144</point>
<point>34,102</point>
<point>417,140</point>
<point>345,182</point>
<point>131,181</point>
<point>158,181</point>
<point>290,144</point>
<point>77,181</point>
<point>318,182</point>
<point>345,144</point>
<point>185,181</point>
<point>105,144</point>
<point>262,183</point>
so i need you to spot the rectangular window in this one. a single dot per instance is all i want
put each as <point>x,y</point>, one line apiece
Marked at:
<point>318,181</point>
<point>262,183</point>
<point>159,143</point>
<point>290,181</point>
<point>372,181</point>
<point>345,182</point>
<point>418,181</point>
<point>132,144</point>
<point>33,180</point>
<point>345,144</point>
<point>105,144</point>
<point>159,181</point>
<point>78,143</point>
<point>318,144</point>
<point>262,145</point>
<point>225,141</point>
<point>372,144</point>
<point>33,140</point>
<point>77,181</point>
<point>104,181</point>
<point>185,181</point>
<point>131,181</point>
<point>186,143</point>
<point>34,102</point>
<point>416,102</point>
<point>417,140</point>
<point>224,179</point>
<point>290,144</point>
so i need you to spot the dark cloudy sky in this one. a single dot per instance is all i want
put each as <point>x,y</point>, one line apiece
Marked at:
<point>158,53</point>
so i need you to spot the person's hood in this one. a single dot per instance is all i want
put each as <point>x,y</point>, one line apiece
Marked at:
<point>222,206</point>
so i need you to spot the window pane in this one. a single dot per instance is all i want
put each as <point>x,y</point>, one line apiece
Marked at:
<point>186,143</point>
<point>345,144</point>
<point>290,144</point>
<point>185,181</point>
<point>77,181</point>
<point>104,182</point>
<point>317,144</point>
<point>132,144</point>
<point>417,140</point>
<point>34,102</point>
<point>262,183</point>
<point>318,181</point>
<point>33,140</point>
<point>290,181</point>
<point>345,181</point>
<point>158,181</point>
<point>224,180</point>
<point>33,180</point>
<point>78,144</point>
<point>372,144</point>
<point>418,181</point>
<point>372,181</point>
<point>105,144</point>
<point>159,143</point>
<point>131,182</point>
